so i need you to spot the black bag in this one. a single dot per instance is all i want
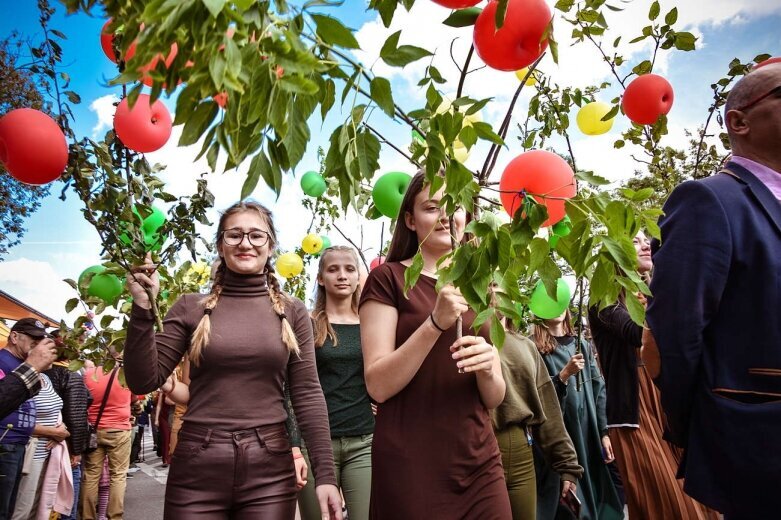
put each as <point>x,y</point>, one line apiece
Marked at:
<point>92,442</point>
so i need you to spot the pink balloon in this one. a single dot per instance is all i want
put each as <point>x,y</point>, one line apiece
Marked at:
<point>376,262</point>
<point>145,127</point>
<point>32,146</point>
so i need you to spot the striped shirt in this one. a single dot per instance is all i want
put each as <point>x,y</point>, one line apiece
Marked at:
<point>48,407</point>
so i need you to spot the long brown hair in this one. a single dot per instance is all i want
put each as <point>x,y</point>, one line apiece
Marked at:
<point>322,325</point>
<point>404,243</point>
<point>544,340</point>
<point>200,337</point>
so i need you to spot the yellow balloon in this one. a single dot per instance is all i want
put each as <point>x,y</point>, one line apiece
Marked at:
<point>460,152</point>
<point>590,118</point>
<point>447,106</point>
<point>289,265</point>
<point>520,74</point>
<point>312,243</point>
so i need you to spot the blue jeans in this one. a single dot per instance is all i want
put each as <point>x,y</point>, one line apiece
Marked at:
<point>76,486</point>
<point>11,460</point>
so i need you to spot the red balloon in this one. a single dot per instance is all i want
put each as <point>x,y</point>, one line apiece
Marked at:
<point>143,128</point>
<point>456,4</point>
<point>32,146</point>
<point>540,174</point>
<point>646,98</point>
<point>376,262</point>
<point>107,42</point>
<point>519,42</point>
<point>221,99</point>
<point>147,79</point>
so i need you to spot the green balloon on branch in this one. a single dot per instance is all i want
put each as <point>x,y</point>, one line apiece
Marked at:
<point>150,226</point>
<point>313,184</point>
<point>373,213</point>
<point>153,221</point>
<point>326,245</point>
<point>543,306</point>
<point>388,192</point>
<point>562,228</point>
<point>107,287</point>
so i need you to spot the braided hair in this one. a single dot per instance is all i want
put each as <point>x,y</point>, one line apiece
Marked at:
<point>200,337</point>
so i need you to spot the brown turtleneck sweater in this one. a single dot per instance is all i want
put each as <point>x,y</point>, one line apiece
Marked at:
<point>239,382</point>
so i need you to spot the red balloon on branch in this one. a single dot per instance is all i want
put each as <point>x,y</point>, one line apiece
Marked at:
<point>147,79</point>
<point>221,99</point>
<point>520,40</point>
<point>107,44</point>
<point>542,175</point>
<point>456,4</point>
<point>376,262</point>
<point>646,98</point>
<point>145,127</point>
<point>32,146</point>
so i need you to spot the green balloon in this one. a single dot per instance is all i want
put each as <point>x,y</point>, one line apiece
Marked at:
<point>326,245</point>
<point>563,227</point>
<point>553,240</point>
<point>153,221</point>
<point>313,184</point>
<point>373,213</point>
<point>543,306</point>
<point>150,225</point>
<point>417,137</point>
<point>107,287</point>
<point>388,192</point>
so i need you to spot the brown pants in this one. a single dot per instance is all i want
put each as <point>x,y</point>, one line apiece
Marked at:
<point>218,475</point>
<point>114,444</point>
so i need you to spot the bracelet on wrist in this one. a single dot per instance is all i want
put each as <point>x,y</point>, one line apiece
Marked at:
<point>434,323</point>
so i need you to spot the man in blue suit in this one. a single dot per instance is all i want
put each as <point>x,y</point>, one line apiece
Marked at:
<point>715,312</point>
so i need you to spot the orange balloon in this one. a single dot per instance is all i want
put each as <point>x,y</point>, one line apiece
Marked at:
<point>540,174</point>
<point>32,146</point>
<point>221,99</point>
<point>646,98</point>
<point>145,127</point>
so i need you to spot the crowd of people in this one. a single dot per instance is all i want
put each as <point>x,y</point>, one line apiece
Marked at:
<point>371,406</point>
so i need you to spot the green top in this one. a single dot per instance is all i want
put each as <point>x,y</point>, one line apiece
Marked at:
<point>341,376</point>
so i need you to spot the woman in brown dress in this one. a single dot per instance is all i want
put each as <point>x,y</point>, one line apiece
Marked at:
<point>635,419</point>
<point>434,453</point>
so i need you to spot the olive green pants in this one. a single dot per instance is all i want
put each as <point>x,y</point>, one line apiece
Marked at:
<point>353,465</point>
<point>518,462</point>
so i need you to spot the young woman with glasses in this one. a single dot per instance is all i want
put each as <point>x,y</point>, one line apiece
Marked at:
<point>244,340</point>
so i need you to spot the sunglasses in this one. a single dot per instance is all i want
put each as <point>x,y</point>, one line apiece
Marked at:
<point>775,92</point>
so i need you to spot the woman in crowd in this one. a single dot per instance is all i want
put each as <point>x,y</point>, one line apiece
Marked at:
<point>434,451</point>
<point>529,416</point>
<point>340,368</point>
<point>233,458</point>
<point>49,430</point>
<point>581,391</point>
<point>635,419</point>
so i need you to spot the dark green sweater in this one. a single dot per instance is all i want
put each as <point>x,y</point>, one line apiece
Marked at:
<point>340,369</point>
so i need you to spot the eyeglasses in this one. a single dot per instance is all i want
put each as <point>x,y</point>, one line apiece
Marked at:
<point>776,91</point>
<point>234,237</point>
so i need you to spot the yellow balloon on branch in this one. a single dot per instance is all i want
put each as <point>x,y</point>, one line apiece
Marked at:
<point>460,151</point>
<point>312,244</point>
<point>469,119</point>
<point>289,265</point>
<point>520,74</point>
<point>590,118</point>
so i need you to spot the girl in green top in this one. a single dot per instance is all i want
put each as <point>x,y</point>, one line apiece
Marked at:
<point>340,367</point>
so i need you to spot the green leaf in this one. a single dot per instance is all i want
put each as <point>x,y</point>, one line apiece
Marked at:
<point>501,12</point>
<point>198,122</point>
<point>497,332</point>
<point>75,365</point>
<point>214,6</point>
<point>620,252</point>
<point>684,41</point>
<point>71,304</point>
<point>73,97</point>
<point>635,308</point>
<point>591,178</point>
<point>258,163</point>
<point>380,89</point>
<point>463,17</point>
<point>671,17</point>
<point>485,131</point>
<point>539,250</point>
<point>298,84</point>
<point>328,96</point>
<point>653,13</point>
<point>564,5</point>
<point>412,273</point>
<point>400,56</point>
<point>333,32</point>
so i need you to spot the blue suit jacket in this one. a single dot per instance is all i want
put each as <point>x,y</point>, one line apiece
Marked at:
<point>715,316</point>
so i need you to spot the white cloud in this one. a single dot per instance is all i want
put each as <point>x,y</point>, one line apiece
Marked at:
<point>104,107</point>
<point>39,285</point>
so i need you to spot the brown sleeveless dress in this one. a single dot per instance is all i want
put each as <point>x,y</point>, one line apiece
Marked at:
<point>434,453</point>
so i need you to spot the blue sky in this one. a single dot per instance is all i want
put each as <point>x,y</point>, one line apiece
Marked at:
<point>59,243</point>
